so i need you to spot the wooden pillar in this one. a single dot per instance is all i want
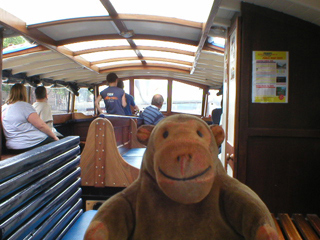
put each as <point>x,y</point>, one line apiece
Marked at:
<point>131,82</point>
<point>169,99</point>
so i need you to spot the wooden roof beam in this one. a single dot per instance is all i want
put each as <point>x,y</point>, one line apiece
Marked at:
<point>123,17</point>
<point>162,49</point>
<point>145,58</point>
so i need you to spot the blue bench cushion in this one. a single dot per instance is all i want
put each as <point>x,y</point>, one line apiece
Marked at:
<point>79,228</point>
<point>134,152</point>
<point>134,156</point>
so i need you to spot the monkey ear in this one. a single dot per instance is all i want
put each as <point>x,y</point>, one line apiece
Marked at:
<point>143,133</point>
<point>218,133</point>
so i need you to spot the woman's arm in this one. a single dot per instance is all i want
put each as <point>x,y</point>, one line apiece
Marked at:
<point>36,121</point>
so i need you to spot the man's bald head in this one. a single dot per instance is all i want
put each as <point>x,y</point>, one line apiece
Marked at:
<point>157,100</point>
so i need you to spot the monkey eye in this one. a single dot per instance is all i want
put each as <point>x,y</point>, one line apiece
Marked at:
<point>165,134</point>
<point>199,133</point>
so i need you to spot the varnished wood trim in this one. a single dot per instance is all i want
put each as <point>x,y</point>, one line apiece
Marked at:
<point>27,51</point>
<point>123,17</point>
<point>162,49</point>
<point>145,58</point>
<point>145,67</point>
<point>315,222</point>
<point>304,227</point>
<point>116,36</point>
<point>288,227</point>
<point>10,21</point>
<point>61,118</point>
<point>210,47</point>
<point>281,237</point>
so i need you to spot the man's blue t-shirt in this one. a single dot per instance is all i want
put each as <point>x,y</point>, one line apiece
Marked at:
<point>112,97</point>
<point>130,102</point>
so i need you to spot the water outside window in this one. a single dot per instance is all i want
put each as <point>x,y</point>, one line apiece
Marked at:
<point>84,102</point>
<point>186,98</point>
<point>144,90</point>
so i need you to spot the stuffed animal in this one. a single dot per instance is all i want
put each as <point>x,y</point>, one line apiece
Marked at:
<point>183,191</point>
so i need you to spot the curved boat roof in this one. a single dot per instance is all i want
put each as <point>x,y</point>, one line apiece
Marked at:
<point>80,41</point>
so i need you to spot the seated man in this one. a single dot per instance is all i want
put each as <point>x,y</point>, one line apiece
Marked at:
<point>152,115</point>
<point>44,109</point>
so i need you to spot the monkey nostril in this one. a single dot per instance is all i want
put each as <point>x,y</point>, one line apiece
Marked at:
<point>184,157</point>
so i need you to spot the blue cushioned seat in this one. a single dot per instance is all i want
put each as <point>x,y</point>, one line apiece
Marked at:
<point>134,152</point>
<point>134,156</point>
<point>79,228</point>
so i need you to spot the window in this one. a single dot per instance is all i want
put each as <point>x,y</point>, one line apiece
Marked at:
<point>102,105</point>
<point>186,98</point>
<point>144,90</point>
<point>5,92</point>
<point>84,102</point>
<point>58,98</point>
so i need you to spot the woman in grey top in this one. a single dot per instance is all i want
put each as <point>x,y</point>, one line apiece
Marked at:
<point>22,126</point>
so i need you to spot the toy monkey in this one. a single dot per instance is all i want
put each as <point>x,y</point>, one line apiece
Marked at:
<point>183,191</point>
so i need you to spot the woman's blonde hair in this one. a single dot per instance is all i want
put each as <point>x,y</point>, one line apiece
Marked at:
<point>18,92</point>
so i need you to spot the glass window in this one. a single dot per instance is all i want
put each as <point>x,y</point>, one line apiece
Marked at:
<point>186,98</point>
<point>58,98</point>
<point>5,92</point>
<point>84,102</point>
<point>144,90</point>
<point>102,105</point>
<point>191,10</point>
<point>126,86</point>
<point>165,44</point>
<point>42,13</point>
<point>96,44</point>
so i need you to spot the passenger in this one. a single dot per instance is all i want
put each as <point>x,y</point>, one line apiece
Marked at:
<point>130,101</point>
<point>44,109</point>
<point>216,115</point>
<point>114,97</point>
<point>22,126</point>
<point>152,115</point>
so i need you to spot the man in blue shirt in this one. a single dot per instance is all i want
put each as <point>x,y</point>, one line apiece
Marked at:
<point>130,101</point>
<point>152,115</point>
<point>114,97</point>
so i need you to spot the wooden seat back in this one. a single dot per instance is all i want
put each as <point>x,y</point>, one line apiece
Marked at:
<point>101,162</point>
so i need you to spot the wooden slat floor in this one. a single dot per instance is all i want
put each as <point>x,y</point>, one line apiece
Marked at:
<point>297,227</point>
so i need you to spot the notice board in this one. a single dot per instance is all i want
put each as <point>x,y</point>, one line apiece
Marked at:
<point>270,78</point>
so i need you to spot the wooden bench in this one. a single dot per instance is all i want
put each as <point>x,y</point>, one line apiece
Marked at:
<point>40,194</point>
<point>75,124</point>
<point>298,227</point>
<point>112,155</point>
